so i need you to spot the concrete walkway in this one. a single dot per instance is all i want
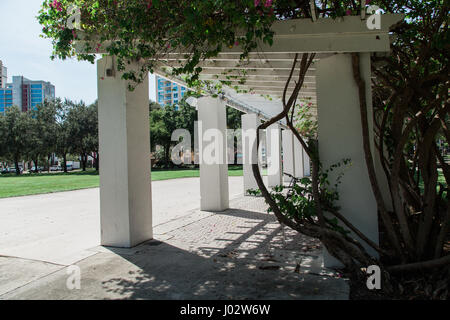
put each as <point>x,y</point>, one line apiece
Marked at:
<point>241,253</point>
<point>60,227</point>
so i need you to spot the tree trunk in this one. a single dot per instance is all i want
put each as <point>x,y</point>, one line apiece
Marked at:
<point>83,162</point>
<point>65,163</point>
<point>16,164</point>
<point>97,162</point>
<point>36,170</point>
<point>166,156</point>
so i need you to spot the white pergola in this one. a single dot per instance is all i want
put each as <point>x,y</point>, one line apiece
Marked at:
<point>125,187</point>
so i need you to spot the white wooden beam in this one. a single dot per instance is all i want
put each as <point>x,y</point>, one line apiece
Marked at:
<point>312,6</point>
<point>363,9</point>
<point>269,84</point>
<point>345,34</point>
<point>325,35</point>
<point>280,93</point>
<point>236,57</point>
<point>310,91</point>
<point>281,79</point>
<point>244,65</point>
<point>259,72</point>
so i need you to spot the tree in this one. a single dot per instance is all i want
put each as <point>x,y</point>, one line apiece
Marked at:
<point>234,121</point>
<point>92,138</point>
<point>82,124</point>
<point>63,140</point>
<point>18,127</point>
<point>234,118</point>
<point>43,130</point>
<point>165,120</point>
<point>153,106</point>
<point>162,123</point>
<point>186,117</point>
<point>412,107</point>
<point>3,142</point>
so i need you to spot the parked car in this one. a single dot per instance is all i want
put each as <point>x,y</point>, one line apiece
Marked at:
<point>6,170</point>
<point>11,170</point>
<point>39,169</point>
<point>55,168</point>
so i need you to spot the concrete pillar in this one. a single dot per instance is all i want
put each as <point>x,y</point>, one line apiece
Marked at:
<point>288,154</point>
<point>340,137</point>
<point>298,158</point>
<point>273,153</point>
<point>250,124</point>
<point>124,139</point>
<point>214,194</point>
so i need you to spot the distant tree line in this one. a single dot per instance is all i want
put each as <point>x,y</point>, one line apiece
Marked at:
<point>69,129</point>
<point>56,127</point>
<point>166,119</point>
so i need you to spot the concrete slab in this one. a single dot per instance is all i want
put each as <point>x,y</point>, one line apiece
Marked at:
<point>60,227</point>
<point>15,273</point>
<point>241,253</point>
<point>56,228</point>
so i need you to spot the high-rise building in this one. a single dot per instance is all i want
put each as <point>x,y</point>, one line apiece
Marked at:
<point>168,92</point>
<point>6,98</point>
<point>25,93</point>
<point>3,75</point>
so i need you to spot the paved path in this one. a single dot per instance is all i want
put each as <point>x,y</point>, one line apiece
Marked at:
<point>61,227</point>
<point>241,253</point>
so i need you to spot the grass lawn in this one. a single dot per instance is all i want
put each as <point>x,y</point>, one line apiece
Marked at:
<point>28,184</point>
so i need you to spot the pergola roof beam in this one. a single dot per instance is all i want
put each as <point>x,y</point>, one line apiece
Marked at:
<point>326,35</point>
<point>271,84</point>
<point>259,72</point>
<point>236,57</point>
<point>253,65</point>
<point>267,68</point>
<point>262,79</point>
<point>280,89</point>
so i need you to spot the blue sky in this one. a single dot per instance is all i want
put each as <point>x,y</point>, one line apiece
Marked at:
<point>23,52</point>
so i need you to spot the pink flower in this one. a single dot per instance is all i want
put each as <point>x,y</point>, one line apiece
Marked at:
<point>348,12</point>
<point>268,3</point>
<point>57,5</point>
<point>236,43</point>
<point>257,2</point>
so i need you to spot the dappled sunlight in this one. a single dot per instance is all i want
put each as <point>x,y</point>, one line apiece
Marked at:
<point>236,254</point>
